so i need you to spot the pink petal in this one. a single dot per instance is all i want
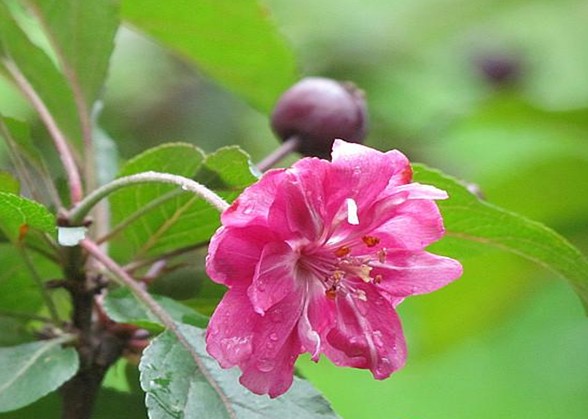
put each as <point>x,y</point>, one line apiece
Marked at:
<point>264,347</point>
<point>252,206</point>
<point>273,376</point>
<point>358,172</point>
<point>408,273</point>
<point>419,191</point>
<point>294,212</point>
<point>309,337</point>
<point>276,347</point>
<point>274,276</point>
<point>412,225</point>
<point>233,253</point>
<point>230,342</point>
<point>367,334</point>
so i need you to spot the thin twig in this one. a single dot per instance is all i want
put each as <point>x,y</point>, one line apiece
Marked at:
<point>77,214</point>
<point>142,295</point>
<point>287,147</point>
<point>59,139</point>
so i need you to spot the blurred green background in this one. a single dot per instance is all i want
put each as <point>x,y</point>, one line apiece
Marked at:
<point>492,92</point>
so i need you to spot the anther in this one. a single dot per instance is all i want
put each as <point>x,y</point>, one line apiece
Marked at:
<point>370,241</point>
<point>342,251</point>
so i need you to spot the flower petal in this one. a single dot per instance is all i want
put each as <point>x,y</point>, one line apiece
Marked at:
<point>233,253</point>
<point>252,206</point>
<point>408,273</point>
<point>358,172</point>
<point>412,225</point>
<point>274,276</point>
<point>270,367</point>
<point>299,208</point>
<point>273,376</point>
<point>230,342</point>
<point>368,334</point>
<point>264,347</point>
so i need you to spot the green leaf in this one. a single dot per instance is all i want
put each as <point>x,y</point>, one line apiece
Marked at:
<point>8,183</point>
<point>28,160</point>
<point>470,219</point>
<point>82,34</point>
<point>32,370</point>
<point>235,42</point>
<point>160,218</point>
<point>150,212</point>
<point>40,72</point>
<point>17,134</point>
<point>18,214</point>
<point>227,171</point>
<point>19,292</point>
<point>110,404</point>
<point>177,389</point>
<point>123,307</point>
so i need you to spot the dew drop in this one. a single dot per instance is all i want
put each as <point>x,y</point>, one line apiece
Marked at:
<point>273,337</point>
<point>248,208</point>
<point>266,364</point>
<point>378,339</point>
<point>276,316</point>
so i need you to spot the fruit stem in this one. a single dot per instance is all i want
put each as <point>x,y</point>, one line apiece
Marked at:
<point>290,145</point>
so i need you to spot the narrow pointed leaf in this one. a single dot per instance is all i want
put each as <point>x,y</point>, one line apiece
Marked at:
<point>40,72</point>
<point>235,42</point>
<point>177,389</point>
<point>82,34</point>
<point>32,370</point>
<point>470,219</point>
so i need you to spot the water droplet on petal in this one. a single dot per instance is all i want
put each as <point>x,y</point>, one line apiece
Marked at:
<point>273,337</point>
<point>378,339</point>
<point>266,364</point>
<point>248,208</point>
<point>276,316</point>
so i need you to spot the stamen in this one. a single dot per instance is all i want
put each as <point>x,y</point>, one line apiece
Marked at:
<point>370,241</point>
<point>382,253</point>
<point>331,293</point>
<point>360,294</point>
<point>342,251</point>
<point>377,279</point>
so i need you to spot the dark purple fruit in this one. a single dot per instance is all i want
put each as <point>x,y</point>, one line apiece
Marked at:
<point>500,69</point>
<point>318,111</point>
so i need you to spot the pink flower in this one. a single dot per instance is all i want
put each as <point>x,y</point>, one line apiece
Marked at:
<point>316,258</point>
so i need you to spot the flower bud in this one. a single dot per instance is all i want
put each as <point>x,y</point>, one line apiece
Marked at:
<point>319,110</point>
